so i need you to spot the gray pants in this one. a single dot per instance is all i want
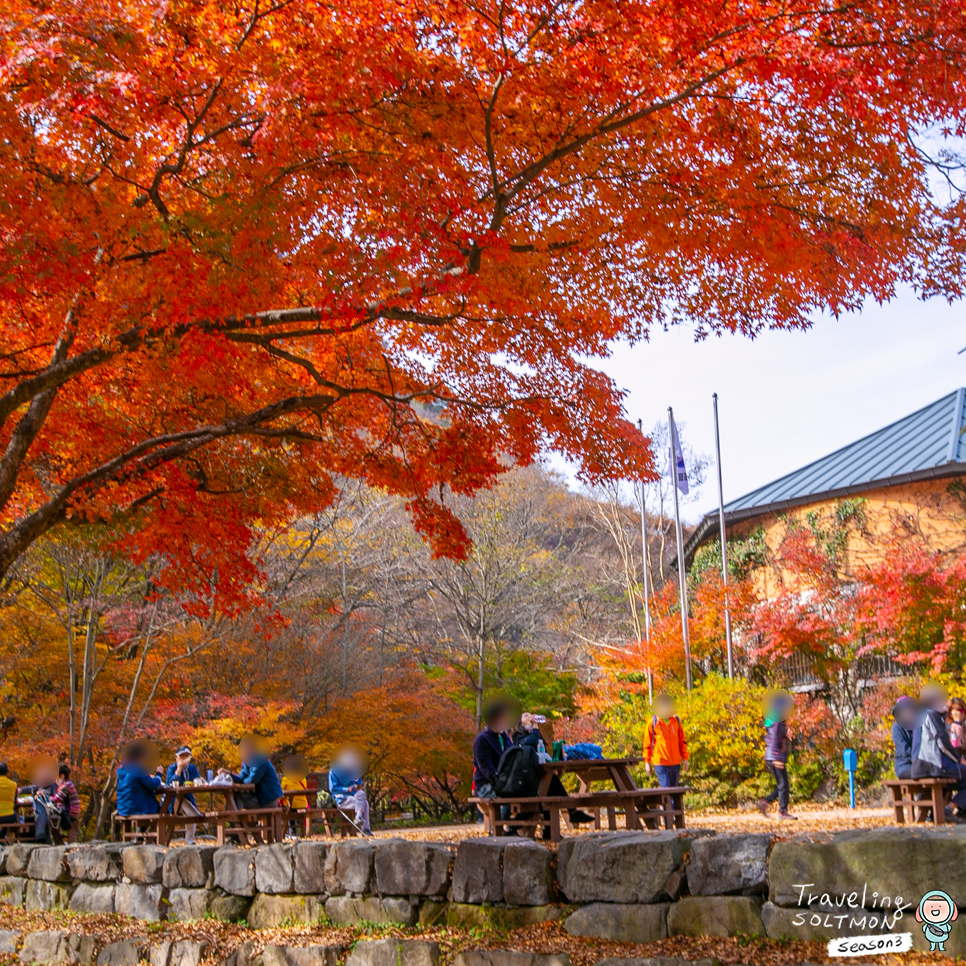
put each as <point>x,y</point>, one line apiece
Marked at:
<point>359,804</point>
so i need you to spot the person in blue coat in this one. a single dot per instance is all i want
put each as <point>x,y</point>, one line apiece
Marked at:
<point>137,788</point>
<point>183,772</point>
<point>256,770</point>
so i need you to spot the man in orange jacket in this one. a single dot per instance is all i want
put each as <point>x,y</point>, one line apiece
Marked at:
<point>664,745</point>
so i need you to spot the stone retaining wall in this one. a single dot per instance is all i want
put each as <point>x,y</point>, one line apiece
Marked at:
<point>627,886</point>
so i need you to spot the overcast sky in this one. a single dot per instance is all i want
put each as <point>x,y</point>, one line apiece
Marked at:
<point>788,398</point>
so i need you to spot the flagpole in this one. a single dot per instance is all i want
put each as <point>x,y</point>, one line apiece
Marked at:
<point>724,541</point>
<point>682,576</point>
<point>647,593</point>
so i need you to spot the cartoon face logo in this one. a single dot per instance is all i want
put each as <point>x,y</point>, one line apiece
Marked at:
<point>937,912</point>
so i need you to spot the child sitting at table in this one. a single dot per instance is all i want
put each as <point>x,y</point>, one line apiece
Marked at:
<point>294,771</point>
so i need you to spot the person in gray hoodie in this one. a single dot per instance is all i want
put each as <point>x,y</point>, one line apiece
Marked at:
<point>933,755</point>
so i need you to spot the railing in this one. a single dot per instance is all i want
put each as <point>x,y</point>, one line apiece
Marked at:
<point>797,673</point>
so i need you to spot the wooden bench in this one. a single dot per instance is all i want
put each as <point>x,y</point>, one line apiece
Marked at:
<point>650,807</point>
<point>255,824</point>
<point>933,798</point>
<point>332,820</point>
<point>17,831</point>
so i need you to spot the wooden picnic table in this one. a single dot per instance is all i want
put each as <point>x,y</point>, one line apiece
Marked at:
<point>648,807</point>
<point>173,796</point>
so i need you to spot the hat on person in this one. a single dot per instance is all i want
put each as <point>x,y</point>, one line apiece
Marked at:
<point>183,750</point>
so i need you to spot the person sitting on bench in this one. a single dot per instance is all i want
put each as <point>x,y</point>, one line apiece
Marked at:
<point>908,715</point>
<point>137,786</point>
<point>256,770</point>
<point>488,749</point>
<point>345,785</point>
<point>933,756</point>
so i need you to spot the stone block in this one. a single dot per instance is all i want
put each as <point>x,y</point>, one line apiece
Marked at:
<point>622,922</point>
<point>715,916</point>
<point>48,863</point>
<point>186,905</point>
<point>301,955</point>
<point>229,908</point>
<point>348,911</point>
<point>48,946</point>
<point>891,861</point>
<point>124,952</point>
<point>458,915</point>
<point>394,952</point>
<point>509,957</point>
<point>19,855</point>
<point>349,867</point>
<point>309,878</point>
<point>144,864</point>
<point>235,870</point>
<point>822,923</point>
<point>412,868</point>
<point>80,949</point>
<point>160,954</point>
<point>96,863</point>
<point>191,867</point>
<point>240,956</point>
<point>92,898</point>
<point>275,869</point>
<point>139,901</point>
<point>187,952</point>
<point>622,867</point>
<point>478,870</point>
<point>9,940</point>
<point>268,911</point>
<point>12,890</point>
<point>527,874</point>
<point>723,864</point>
<point>43,896</point>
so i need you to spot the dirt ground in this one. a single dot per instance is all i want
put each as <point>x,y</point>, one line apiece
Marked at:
<point>811,818</point>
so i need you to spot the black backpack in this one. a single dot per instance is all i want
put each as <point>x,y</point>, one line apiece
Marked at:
<point>516,775</point>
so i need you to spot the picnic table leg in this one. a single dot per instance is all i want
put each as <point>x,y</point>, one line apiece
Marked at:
<point>596,812</point>
<point>900,792</point>
<point>612,818</point>
<point>631,818</point>
<point>220,832</point>
<point>678,800</point>
<point>938,805</point>
<point>554,823</point>
<point>163,835</point>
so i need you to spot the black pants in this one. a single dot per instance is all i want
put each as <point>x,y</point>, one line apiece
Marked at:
<point>780,791</point>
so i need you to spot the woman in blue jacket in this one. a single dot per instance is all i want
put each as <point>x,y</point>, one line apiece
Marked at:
<point>136,787</point>
<point>256,770</point>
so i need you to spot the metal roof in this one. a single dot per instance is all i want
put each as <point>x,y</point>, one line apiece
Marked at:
<point>926,444</point>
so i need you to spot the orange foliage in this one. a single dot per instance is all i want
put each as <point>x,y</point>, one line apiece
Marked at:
<point>664,654</point>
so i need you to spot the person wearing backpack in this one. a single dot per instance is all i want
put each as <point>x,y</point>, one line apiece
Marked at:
<point>665,747</point>
<point>488,749</point>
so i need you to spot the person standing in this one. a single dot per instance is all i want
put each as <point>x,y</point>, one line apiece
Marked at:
<point>68,801</point>
<point>665,747</point>
<point>184,772</point>
<point>776,753</point>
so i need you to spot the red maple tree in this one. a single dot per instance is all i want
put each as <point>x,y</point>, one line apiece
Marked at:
<point>251,248</point>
